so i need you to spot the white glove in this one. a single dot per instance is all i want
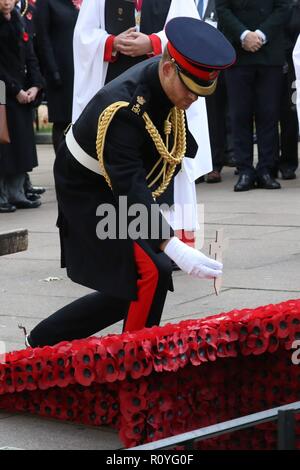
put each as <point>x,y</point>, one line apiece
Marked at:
<point>192,261</point>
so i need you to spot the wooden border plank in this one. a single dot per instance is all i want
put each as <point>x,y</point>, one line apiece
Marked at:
<point>13,241</point>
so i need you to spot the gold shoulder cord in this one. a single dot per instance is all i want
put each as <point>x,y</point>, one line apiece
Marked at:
<point>168,159</point>
<point>26,6</point>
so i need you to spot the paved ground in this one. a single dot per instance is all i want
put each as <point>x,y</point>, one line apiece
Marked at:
<point>261,266</point>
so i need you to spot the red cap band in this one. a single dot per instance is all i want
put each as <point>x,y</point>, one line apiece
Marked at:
<point>188,67</point>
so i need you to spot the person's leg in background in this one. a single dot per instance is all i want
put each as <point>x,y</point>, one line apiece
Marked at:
<point>268,86</point>
<point>289,129</point>
<point>16,192</point>
<point>5,206</point>
<point>240,85</point>
<point>216,105</point>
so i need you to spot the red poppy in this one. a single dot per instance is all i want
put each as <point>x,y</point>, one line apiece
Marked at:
<point>64,377</point>
<point>260,345</point>
<point>84,357</point>
<point>225,349</point>
<point>131,403</point>
<point>283,328</point>
<point>25,37</point>
<point>114,345</point>
<point>107,370</point>
<point>227,331</point>
<point>84,375</point>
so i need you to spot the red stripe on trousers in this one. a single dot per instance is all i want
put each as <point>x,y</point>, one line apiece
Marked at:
<point>146,287</point>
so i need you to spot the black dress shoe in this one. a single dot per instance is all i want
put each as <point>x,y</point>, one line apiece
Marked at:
<point>33,197</point>
<point>6,208</point>
<point>267,182</point>
<point>245,183</point>
<point>37,190</point>
<point>288,174</point>
<point>26,204</point>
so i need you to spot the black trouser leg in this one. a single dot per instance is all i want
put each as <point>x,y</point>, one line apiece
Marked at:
<point>288,159</point>
<point>216,105</point>
<point>241,85</point>
<point>80,319</point>
<point>3,191</point>
<point>268,86</point>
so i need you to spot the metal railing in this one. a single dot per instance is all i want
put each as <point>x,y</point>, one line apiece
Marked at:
<point>284,415</point>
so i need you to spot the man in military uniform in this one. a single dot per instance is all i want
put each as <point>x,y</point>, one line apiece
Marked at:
<point>131,275</point>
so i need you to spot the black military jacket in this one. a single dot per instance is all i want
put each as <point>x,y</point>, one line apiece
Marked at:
<point>236,16</point>
<point>129,153</point>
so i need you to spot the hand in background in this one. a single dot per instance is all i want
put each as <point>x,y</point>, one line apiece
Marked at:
<point>119,40</point>
<point>31,93</point>
<point>252,42</point>
<point>22,97</point>
<point>136,44</point>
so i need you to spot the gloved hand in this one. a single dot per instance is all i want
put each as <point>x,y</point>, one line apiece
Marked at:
<point>192,261</point>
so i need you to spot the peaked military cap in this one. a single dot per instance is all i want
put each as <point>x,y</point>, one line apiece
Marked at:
<point>200,52</point>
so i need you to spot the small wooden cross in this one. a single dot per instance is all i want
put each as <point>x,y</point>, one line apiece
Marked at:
<point>216,250</point>
<point>13,242</point>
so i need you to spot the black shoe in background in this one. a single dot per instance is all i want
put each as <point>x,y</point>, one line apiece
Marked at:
<point>6,208</point>
<point>288,174</point>
<point>245,183</point>
<point>30,189</point>
<point>26,204</point>
<point>267,182</point>
<point>33,197</point>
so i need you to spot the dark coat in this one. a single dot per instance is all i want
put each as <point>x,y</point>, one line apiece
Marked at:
<point>55,22</point>
<point>292,28</point>
<point>153,17</point>
<point>108,265</point>
<point>27,10</point>
<point>19,70</point>
<point>236,16</point>
<point>210,12</point>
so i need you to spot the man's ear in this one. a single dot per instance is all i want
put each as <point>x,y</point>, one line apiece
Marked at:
<point>168,68</point>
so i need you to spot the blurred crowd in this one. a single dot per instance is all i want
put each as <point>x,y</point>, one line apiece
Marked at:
<point>254,101</point>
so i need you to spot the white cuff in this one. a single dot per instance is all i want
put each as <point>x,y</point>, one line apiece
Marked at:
<point>244,34</point>
<point>262,35</point>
